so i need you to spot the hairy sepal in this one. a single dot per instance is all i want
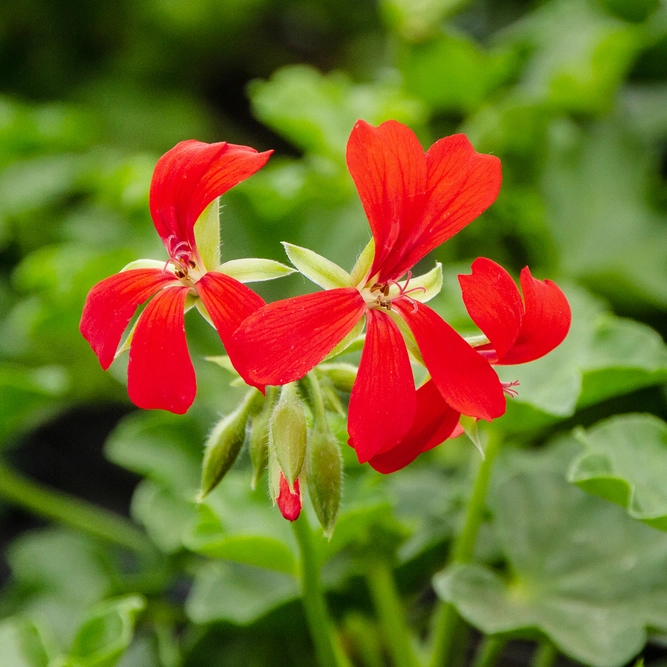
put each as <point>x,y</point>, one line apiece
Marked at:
<point>207,235</point>
<point>254,269</point>
<point>320,270</point>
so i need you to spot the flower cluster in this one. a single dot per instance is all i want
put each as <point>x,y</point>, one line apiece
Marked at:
<point>414,201</point>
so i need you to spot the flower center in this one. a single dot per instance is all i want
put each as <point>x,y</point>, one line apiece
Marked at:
<point>181,256</point>
<point>382,295</point>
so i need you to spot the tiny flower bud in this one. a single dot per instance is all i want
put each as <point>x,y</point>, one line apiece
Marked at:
<point>324,467</point>
<point>288,433</point>
<point>342,375</point>
<point>224,443</point>
<point>288,500</point>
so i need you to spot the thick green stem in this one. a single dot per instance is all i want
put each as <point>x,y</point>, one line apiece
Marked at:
<point>327,646</point>
<point>545,655</point>
<point>489,651</point>
<point>390,613</point>
<point>73,512</point>
<point>317,402</point>
<point>447,620</point>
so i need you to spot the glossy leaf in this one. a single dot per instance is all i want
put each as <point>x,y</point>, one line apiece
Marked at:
<point>579,570</point>
<point>625,461</point>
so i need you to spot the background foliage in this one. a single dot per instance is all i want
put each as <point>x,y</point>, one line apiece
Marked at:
<point>570,94</point>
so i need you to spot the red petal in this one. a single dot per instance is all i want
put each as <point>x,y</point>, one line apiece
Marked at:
<point>110,305</point>
<point>227,301</point>
<point>160,374</point>
<point>461,184</point>
<point>288,501</point>
<point>282,341</point>
<point>464,378</point>
<point>546,320</point>
<point>382,402</point>
<point>494,303</point>
<point>190,176</point>
<point>434,422</point>
<point>389,169</point>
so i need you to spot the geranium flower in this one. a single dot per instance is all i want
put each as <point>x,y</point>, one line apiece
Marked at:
<point>518,330</point>
<point>186,182</point>
<point>414,202</point>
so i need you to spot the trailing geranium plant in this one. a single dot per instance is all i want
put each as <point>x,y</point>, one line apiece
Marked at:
<point>414,201</point>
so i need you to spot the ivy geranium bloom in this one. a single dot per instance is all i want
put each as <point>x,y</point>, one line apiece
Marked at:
<point>414,201</point>
<point>518,331</point>
<point>183,203</point>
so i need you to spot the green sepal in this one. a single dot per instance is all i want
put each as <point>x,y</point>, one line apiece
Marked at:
<point>125,345</point>
<point>223,361</point>
<point>469,425</point>
<point>254,269</point>
<point>320,270</point>
<point>408,337</point>
<point>364,263</point>
<point>207,235</point>
<point>203,312</point>
<point>147,264</point>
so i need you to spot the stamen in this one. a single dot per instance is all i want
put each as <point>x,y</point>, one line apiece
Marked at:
<point>507,388</point>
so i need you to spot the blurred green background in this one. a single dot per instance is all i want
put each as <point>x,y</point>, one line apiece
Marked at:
<point>570,94</point>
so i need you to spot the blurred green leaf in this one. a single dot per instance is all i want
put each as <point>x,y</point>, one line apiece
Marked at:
<point>21,645</point>
<point>625,461</point>
<point>453,73</point>
<point>596,185</point>
<point>418,19</point>
<point>317,112</point>
<point>579,54</point>
<point>236,593</point>
<point>580,570</point>
<point>106,633</point>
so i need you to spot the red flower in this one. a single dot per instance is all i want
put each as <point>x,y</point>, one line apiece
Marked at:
<point>414,202</point>
<point>160,373</point>
<point>518,331</point>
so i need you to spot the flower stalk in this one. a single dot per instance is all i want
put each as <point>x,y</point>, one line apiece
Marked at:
<point>447,620</point>
<point>328,649</point>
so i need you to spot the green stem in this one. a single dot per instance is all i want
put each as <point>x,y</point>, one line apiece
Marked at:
<point>63,508</point>
<point>390,612</point>
<point>327,646</point>
<point>489,651</point>
<point>545,655</point>
<point>447,620</point>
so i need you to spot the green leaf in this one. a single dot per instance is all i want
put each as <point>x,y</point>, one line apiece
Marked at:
<point>165,447</point>
<point>207,235</point>
<point>320,270</point>
<point>237,523</point>
<point>164,513</point>
<point>595,185</point>
<point>21,644</point>
<point>238,594</point>
<point>417,19</point>
<point>579,54</point>
<point>253,270</point>
<point>579,570</point>
<point>452,72</point>
<point>106,634</point>
<point>625,461</point>
<point>317,112</point>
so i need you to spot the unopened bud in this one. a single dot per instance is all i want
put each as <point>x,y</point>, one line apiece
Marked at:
<point>258,440</point>
<point>288,433</point>
<point>289,499</point>
<point>225,441</point>
<point>342,375</point>
<point>324,466</point>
